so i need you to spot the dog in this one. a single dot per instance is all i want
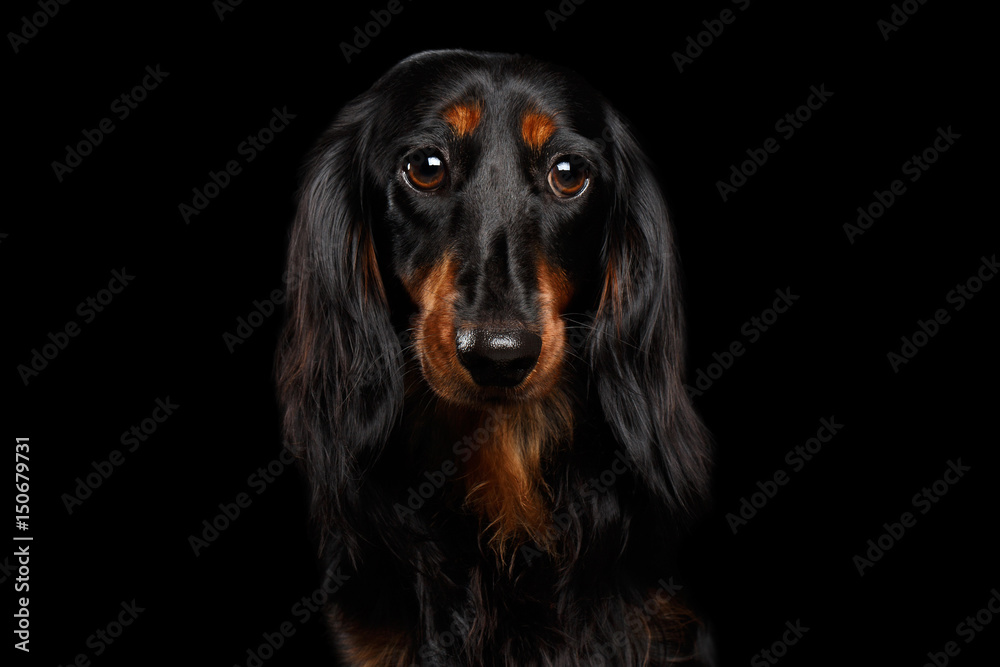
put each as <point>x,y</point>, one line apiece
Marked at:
<point>482,375</point>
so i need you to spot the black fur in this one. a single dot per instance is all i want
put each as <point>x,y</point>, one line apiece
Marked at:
<point>369,430</point>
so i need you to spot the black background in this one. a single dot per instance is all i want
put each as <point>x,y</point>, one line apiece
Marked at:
<point>826,357</point>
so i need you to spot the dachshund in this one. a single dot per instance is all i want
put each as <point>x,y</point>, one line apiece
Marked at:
<point>481,374</point>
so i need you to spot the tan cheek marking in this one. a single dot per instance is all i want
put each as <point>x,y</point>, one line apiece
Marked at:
<point>555,288</point>
<point>414,283</point>
<point>554,293</point>
<point>434,293</point>
<point>536,128</point>
<point>463,118</point>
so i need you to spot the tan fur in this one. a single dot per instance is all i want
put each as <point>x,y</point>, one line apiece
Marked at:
<point>504,484</point>
<point>503,478</point>
<point>360,646</point>
<point>536,128</point>
<point>463,118</point>
<point>610,296</point>
<point>664,620</point>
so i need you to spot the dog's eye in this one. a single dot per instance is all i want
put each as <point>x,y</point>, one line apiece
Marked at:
<point>569,176</point>
<point>425,170</point>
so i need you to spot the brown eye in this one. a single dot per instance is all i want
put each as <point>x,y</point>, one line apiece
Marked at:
<point>569,176</point>
<point>425,170</point>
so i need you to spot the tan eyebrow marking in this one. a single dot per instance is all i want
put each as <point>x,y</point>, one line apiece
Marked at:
<point>463,117</point>
<point>536,128</point>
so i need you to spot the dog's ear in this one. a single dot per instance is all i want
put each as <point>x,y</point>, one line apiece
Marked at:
<point>636,349</point>
<point>338,367</point>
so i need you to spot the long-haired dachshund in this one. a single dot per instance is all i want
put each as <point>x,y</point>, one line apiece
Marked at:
<point>481,373</point>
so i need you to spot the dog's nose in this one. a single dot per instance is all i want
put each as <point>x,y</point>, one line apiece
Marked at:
<point>498,357</point>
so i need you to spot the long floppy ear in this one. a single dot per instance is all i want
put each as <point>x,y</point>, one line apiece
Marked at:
<point>339,381</point>
<point>637,348</point>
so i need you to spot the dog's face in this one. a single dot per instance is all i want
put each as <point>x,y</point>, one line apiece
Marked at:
<point>493,180</point>
<point>486,203</point>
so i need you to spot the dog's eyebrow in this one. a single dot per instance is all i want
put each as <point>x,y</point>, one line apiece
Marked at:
<point>536,128</point>
<point>463,117</point>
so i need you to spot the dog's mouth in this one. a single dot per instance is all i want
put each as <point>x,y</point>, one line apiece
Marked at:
<point>473,363</point>
<point>496,363</point>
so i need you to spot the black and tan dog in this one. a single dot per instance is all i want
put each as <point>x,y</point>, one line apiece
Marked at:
<point>482,374</point>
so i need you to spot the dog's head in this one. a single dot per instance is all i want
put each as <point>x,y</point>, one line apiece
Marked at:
<point>494,190</point>
<point>488,205</point>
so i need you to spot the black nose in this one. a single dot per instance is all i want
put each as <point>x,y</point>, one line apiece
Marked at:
<point>498,357</point>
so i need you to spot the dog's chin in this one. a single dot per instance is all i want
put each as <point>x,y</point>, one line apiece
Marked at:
<point>482,397</point>
<point>465,393</point>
